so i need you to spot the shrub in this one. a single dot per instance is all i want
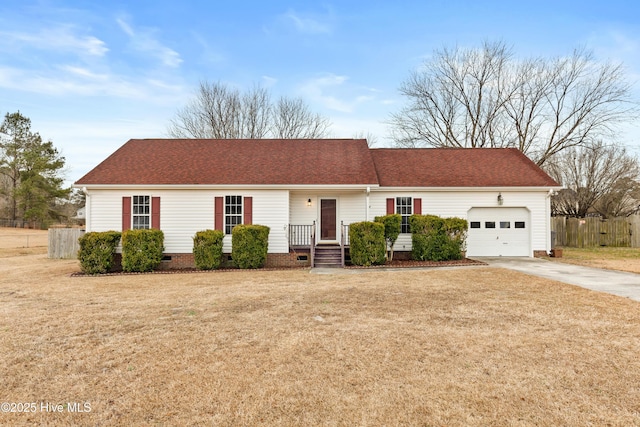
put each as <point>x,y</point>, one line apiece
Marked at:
<point>207,249</point>
<point>437,239</point>
<point>392,227</point>
<point>249,245</point>
<point>97,250</point>
<point>456,229</point>
<point>142,250</point>
<point>367,242</point>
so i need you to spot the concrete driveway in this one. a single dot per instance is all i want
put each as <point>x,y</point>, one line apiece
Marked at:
<point>613,282</point>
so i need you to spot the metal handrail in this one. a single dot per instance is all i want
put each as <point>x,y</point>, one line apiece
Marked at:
<point>342,242</point>
<point>300,235</point>
<point>313,243</point>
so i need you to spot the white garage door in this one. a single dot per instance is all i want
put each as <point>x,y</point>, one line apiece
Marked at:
<point>499,232</point>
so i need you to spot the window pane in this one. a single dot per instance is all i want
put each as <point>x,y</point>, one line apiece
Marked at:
<point>474,224</point>
<point>489,224</point>
<point>404,207</point>
<point>505,224</point>
<point>140,211</point>
<point>519,224</point>
<point>233,212</point>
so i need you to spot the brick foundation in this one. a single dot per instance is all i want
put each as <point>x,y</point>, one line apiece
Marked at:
<point>292,259</point>
<point>402,255</point>
<point>540,254</point>
<point>287,260</point>
<point>177,262</point>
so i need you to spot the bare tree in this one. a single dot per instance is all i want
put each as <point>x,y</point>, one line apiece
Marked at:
<point>293,119</point>
<point>598,178</point>
<point>622,199</point>
<point>372,140</point>
<point>485,98</point>
<point>220,112</point>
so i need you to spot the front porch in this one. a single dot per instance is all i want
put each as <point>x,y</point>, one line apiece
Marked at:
<point>323,252</point>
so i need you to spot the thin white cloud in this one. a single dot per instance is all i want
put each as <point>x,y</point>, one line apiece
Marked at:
<point>331,91</point>
<point>84,73</point>
<point>269,81</point>
<point>144,41</point>
<point>209,54</point>
<point>66,80</point>
<point>306,24</point>
<point>309,24</point>
<point>61,38</point>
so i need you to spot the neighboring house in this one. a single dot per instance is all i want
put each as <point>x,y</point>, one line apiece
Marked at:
<point>309,191</point>
<point>81,213</point>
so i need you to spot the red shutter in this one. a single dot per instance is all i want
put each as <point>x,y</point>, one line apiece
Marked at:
<point>218,213</point>
<point>417,206</point>
<point>155,213</point>
<point>248,210</point>
<point>126,213</point>
<point>391,206</point>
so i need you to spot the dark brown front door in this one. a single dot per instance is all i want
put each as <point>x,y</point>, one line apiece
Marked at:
<point>327,219</point>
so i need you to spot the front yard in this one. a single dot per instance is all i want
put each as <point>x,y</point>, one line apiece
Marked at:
<point>623,259</point>
<point>469,346</point>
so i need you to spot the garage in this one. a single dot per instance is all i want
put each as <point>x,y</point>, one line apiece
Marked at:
<point>499,232</point>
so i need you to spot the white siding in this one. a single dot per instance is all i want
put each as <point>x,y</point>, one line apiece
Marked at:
<point>184,212</point>
<point>351,207</point>
<point>458,203</point>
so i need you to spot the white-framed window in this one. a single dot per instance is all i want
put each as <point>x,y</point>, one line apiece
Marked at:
<point>404,207</point>
<point>232,212</point>
<point>141,212</point>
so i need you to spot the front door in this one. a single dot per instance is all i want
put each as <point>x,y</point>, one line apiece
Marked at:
<point>327,219</point>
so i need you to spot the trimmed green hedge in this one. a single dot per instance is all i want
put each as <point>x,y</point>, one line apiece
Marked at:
<point>392,227</point>
<point>437,239</point>
<point>97,250</point>
<point>207,249</point>
<point>249,245</point>
<point>142,250</point>
<point>367,242</point>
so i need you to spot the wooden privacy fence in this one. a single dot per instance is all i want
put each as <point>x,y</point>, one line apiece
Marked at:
<point>63,242</point>
<point>590,232</point>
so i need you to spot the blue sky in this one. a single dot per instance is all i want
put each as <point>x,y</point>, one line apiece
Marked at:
<point>92,75</point>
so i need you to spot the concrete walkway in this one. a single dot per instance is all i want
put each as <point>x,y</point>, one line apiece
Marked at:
<point>613,282</point>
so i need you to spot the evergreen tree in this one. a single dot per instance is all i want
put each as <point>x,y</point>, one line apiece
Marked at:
<point>32,170</point>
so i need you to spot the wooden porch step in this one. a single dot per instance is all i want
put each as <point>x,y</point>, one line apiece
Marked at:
<point>327,256</point>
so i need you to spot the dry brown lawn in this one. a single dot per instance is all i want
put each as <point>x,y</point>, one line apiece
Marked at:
<point>466,346</point>
<point>622,259</point>
<point>22,241</point>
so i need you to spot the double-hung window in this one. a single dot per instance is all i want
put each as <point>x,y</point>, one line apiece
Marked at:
<point>141,212</point>
<point>232,212</point>
<point>404,207</point>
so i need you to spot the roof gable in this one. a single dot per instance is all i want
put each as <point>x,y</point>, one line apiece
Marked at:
<point>457,167</point>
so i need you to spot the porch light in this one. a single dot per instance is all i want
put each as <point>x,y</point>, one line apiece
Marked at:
<point>500,199</point>
<point>308,202</point>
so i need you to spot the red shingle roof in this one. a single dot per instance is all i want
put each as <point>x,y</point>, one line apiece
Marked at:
<point>457,167</point>
<point>242,162</point>
<point>310,162</point>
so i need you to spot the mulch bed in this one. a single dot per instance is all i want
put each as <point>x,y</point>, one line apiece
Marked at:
<point>393,264</point>
<point>414,264</point>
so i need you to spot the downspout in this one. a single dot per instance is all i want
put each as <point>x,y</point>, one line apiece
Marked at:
<point>548,219</point>
<point>367,204</point>
<point>87,210</point>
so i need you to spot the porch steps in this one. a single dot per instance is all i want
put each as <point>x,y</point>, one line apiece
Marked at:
<point>327,256</point>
